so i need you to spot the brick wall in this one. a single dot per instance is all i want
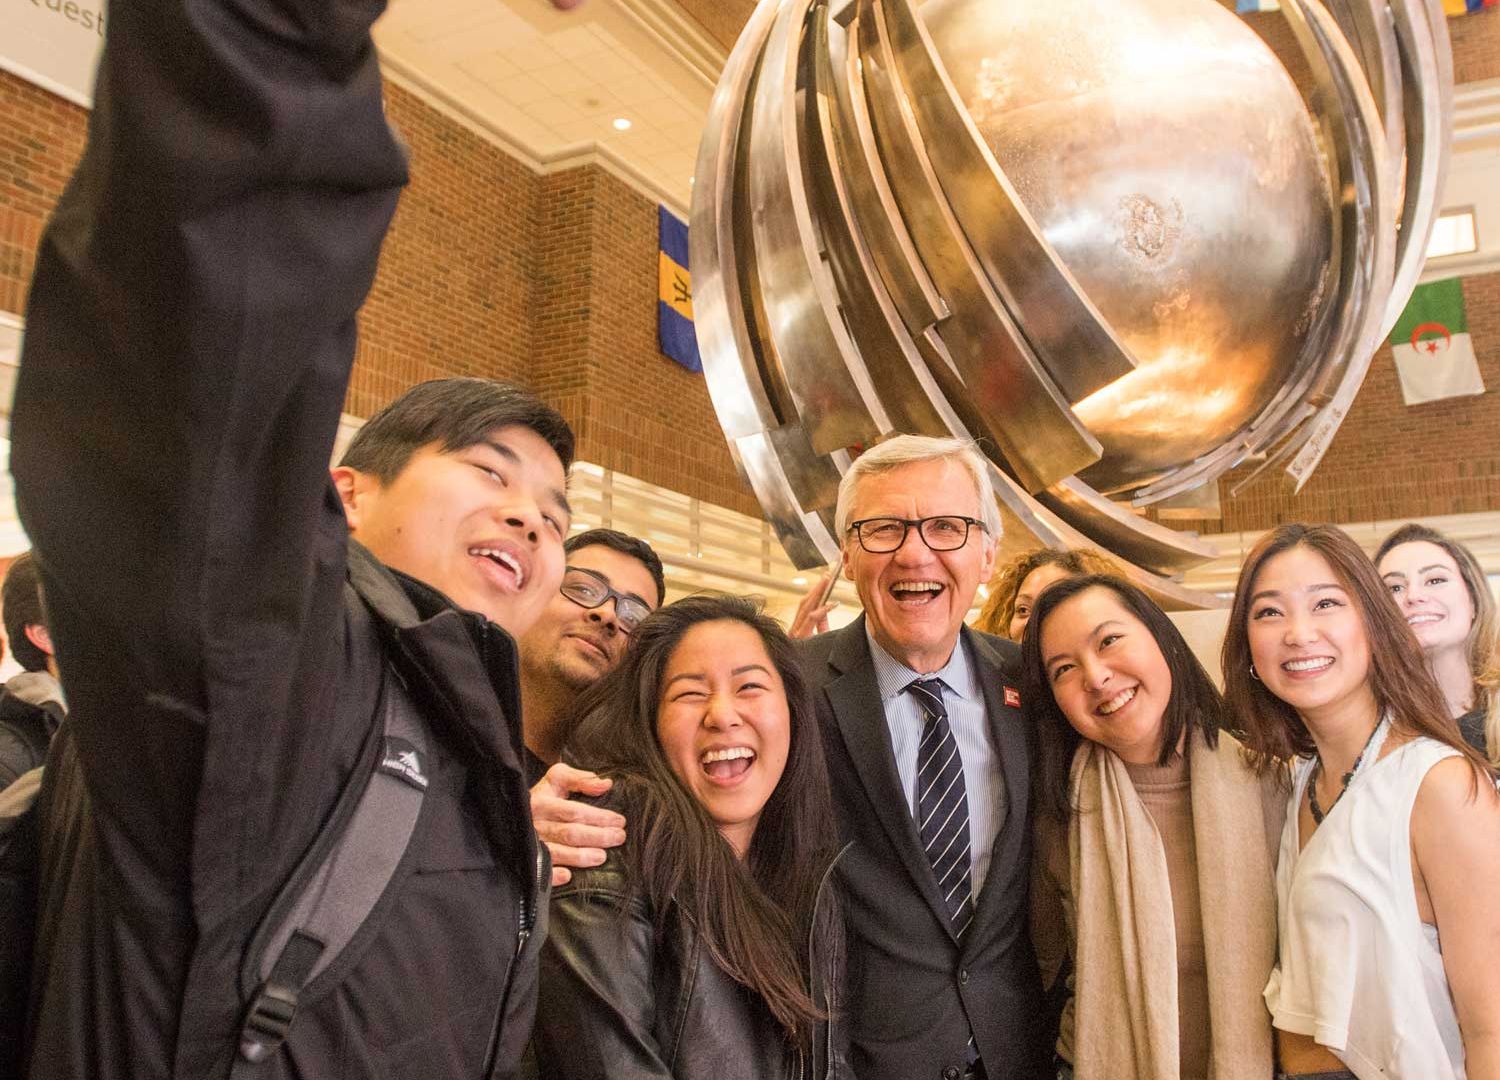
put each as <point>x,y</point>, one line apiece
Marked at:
<point>597,356</point>
<point>1476,46</point>
<point>41,137</point>
<point>453,294</point>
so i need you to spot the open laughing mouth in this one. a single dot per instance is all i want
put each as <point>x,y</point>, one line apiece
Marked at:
<point>916,593</point>
<point>728,765</point>
<point>1118,702</point>
<point>500,566</point>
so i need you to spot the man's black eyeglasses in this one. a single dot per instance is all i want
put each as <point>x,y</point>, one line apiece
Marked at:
<point>589,589</point>
<point>882,535</point>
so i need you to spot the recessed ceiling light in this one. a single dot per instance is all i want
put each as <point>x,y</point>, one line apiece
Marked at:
<point>799,581</point>
<point>622,124</point>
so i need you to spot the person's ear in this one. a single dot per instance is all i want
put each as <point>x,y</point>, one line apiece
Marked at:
<point>846,570</point>
<point>989,548</point>
<point>39,636</point>
<point>356,491</point>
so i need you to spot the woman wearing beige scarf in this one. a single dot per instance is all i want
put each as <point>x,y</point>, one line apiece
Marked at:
<point>1155,846</point>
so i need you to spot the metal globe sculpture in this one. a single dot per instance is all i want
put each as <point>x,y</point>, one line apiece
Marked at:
<point>1108,240</point>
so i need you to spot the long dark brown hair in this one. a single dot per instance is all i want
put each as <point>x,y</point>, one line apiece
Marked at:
<point>1193,705</point>
<point>756,916</point>
<point>1402,685</point>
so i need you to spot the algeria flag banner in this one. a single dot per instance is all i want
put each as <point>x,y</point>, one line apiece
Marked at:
<point>1434,353</point>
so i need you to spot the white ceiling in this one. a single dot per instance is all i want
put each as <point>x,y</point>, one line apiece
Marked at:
<point>552,83</point>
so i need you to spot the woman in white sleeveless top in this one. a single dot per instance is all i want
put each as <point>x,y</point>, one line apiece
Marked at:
<point>1388,882</point>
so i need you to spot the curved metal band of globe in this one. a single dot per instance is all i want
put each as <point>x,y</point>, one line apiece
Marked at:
<point>983,221</point>
<point>801,332</point>
<point>911,288</point>
<point>894,361</point>
<point>985,365</point>
<point>1370,259</point>
<point>769,454</point>
<point>1368,27</point>
<point>1425,61</point>
<point>1028,523</point>
<point>1070,337</point>
<point>730,362</point>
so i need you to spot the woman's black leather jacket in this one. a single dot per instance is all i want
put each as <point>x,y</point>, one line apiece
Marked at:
<point>622,1001</point>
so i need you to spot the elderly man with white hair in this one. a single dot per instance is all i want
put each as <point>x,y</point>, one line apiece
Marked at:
<point>928,757</point>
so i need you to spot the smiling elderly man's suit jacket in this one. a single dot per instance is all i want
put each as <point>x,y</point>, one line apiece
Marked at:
<point>913,991</point>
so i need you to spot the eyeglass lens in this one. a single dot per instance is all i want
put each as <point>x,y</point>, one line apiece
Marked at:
<point>586,590</point>
<point>943,533</point>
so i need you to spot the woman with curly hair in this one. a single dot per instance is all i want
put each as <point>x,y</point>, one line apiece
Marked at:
<point>1441,590</point>
<point>1018,582</point>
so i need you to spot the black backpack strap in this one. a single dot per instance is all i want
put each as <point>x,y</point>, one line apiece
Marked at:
<point>344,874</point>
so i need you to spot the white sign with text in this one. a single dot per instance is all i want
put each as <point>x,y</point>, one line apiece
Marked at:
<point>54,43</point>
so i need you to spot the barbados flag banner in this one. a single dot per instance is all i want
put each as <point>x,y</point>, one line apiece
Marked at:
<point>1467,7</point>
<point>674,298</point>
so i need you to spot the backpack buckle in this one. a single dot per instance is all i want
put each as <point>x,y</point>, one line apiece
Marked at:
<point>268,1022</point>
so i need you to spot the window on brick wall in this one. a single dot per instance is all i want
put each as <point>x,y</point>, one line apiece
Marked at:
<point>1455,233</point>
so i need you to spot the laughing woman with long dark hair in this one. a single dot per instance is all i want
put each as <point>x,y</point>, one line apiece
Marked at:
<point>710,945</point>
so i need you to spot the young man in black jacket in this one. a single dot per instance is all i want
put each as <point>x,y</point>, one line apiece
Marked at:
<point>31,703</point>
<point>224,644</point>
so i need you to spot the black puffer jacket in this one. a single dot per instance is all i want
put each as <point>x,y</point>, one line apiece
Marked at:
<point>619,1000</point>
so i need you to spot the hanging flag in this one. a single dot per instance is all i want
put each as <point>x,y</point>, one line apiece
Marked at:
<point>1467,7</point>
<point>674,299</point>
<point>1248,7</point>
<point>1434,352</point>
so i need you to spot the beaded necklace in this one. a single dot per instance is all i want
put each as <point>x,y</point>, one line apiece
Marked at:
<point>1368,754</point>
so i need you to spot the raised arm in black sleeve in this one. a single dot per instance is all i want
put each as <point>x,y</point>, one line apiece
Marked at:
<point>188,340</point>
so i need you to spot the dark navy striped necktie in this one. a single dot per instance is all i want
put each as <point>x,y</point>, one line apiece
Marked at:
<point>943,805</point>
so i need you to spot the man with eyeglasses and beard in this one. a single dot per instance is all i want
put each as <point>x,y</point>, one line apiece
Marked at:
<point>611,583</point>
